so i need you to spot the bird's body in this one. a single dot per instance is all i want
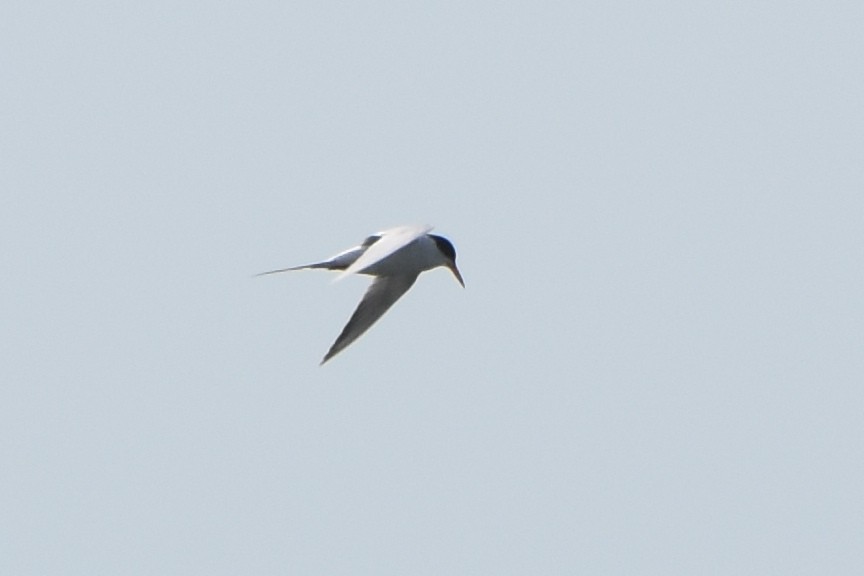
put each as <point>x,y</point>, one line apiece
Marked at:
<point>395,257</point>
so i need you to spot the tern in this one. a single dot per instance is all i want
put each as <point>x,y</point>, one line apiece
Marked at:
<point>395,258</point>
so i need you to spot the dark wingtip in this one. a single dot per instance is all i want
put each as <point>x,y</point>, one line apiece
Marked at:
<point>280,270</point>
<point>330,354</point>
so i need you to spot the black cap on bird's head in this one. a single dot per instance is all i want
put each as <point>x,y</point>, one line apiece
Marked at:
<point>446,248</point>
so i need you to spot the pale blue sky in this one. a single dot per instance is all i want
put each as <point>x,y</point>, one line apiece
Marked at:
<point>656,366</point>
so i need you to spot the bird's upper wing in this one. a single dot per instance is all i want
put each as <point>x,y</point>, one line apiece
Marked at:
<point>388,242</point>
<point>381,295</point>
<point>340,261</point>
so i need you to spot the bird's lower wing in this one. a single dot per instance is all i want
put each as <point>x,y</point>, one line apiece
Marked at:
<point>381,295</point>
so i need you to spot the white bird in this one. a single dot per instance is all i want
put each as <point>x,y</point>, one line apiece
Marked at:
<point>395,258</point>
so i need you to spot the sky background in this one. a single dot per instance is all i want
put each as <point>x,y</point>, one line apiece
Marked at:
<point>656,366</point>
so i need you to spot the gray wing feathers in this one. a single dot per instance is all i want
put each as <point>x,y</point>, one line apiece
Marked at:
<point>381,245</point>
<point>339,262</point>
<point>289,269</point>
<point>381,295</point>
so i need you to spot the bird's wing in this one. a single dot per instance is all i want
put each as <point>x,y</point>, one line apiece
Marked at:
<point>381,295</point>
<point>340,261</point>
<point>388,242</point>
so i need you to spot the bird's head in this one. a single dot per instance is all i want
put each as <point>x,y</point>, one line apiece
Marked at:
<point>449,252</point>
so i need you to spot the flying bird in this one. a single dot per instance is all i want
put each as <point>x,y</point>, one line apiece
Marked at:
<point>395,258</point>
